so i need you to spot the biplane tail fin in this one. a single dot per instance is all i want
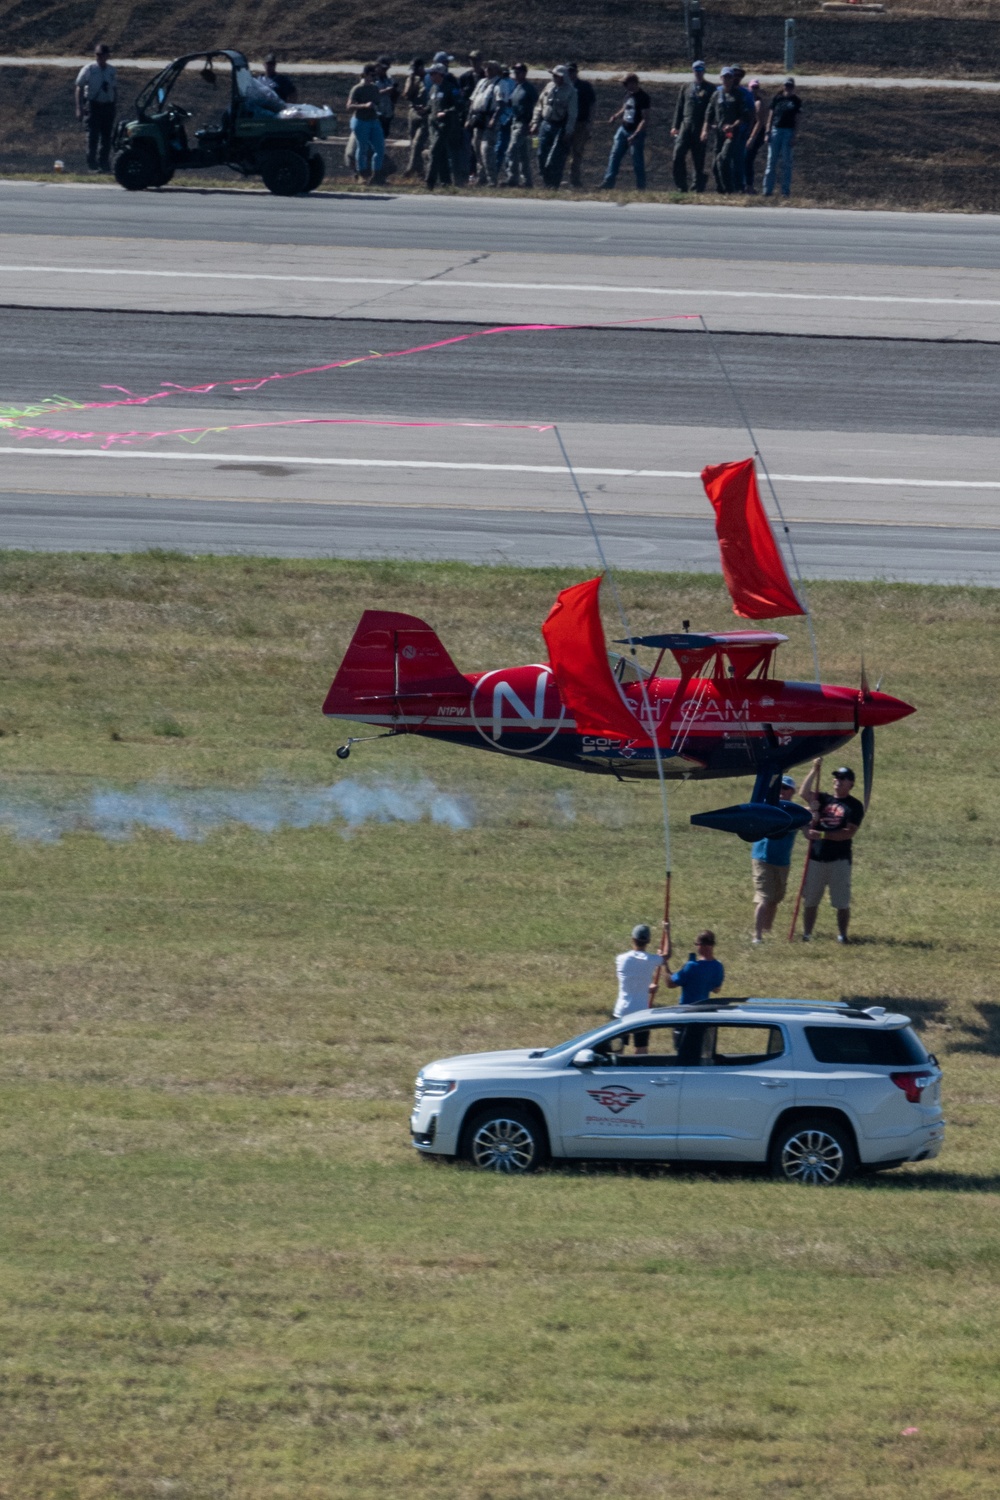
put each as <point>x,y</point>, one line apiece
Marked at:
<point>392,657</point>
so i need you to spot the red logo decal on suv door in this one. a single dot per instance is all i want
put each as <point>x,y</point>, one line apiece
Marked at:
<point>615,1098</point>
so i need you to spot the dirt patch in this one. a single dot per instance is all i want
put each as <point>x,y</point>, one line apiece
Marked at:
<point>897,149</point>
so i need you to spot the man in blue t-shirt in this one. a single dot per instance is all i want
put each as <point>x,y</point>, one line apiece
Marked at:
<point>771,859</point>
<point>702,975</point>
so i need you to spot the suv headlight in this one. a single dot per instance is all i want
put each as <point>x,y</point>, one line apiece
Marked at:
<point>434,1088</point>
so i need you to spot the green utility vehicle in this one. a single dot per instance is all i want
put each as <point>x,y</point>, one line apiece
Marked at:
<point>232,124</point>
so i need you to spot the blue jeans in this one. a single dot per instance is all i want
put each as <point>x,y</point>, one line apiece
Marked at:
<point>779,154</point>
<point>371,142</point>
<point>619,147</point>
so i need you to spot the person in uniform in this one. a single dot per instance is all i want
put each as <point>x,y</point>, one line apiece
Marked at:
<point>96,101</point>
<point>727,114</point>
<point>446,129</point>
<point>689,120</point>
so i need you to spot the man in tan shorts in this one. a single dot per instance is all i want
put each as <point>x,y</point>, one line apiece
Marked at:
<point>771,859</point>
<point>836,819</point>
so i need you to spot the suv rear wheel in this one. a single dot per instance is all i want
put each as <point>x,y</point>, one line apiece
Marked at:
<point>504,1138</point>
<point>818,1152</point>
<point>285,173</point>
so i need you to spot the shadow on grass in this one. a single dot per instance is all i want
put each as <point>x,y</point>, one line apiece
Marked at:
<point>894,1180</point>
<point>922,945</point>
<point>921,1011</point>
<point>984,1035</point>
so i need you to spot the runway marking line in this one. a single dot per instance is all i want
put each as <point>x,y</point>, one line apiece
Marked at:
<point>511,286</point>
<point>426,463</point>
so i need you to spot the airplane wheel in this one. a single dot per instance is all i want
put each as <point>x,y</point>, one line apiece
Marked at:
<point>317,171</point>
<point>285,173</point>
<point>136,170</point>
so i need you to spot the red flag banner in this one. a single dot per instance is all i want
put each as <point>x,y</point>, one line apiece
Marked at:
<point>578,655</point>
<point>751,563</point>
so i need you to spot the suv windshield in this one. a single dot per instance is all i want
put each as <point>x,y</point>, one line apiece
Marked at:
<point>574,1041</point>
<point>861,1044</point>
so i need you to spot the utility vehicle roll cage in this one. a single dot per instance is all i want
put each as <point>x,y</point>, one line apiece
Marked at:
<point>157,91</point>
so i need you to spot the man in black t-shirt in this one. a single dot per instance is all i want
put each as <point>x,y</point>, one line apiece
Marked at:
<point>836,819</point>
<point>781,124</point>
<point>632,120</point>
<point>283,86</point>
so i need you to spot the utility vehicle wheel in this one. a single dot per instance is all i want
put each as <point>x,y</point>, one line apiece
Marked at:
<point>137,169</point>
<point>285,173</point>
<point>504,1138</point>
<point>818,1152</point>
<point>317,171</point>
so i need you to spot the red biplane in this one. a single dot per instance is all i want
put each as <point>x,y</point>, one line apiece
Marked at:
<point>725,713</point>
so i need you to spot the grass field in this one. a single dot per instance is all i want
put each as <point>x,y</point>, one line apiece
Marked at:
<point>224,1274</point>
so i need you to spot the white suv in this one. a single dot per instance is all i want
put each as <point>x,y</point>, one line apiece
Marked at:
<point>817,1091</point>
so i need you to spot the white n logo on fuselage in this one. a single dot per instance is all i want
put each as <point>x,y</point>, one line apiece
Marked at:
<point>503,692</point>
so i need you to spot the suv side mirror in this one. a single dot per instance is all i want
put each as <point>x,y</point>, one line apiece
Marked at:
<point>586,1059</point>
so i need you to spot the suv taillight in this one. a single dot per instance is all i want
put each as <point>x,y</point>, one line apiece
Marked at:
<point>912,1084</point>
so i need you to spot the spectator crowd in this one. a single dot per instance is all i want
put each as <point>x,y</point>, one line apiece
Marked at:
<point>490,125</point>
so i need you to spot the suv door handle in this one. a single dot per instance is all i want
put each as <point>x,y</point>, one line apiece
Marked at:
<point>665,1083</point>
<point>773,1084</point>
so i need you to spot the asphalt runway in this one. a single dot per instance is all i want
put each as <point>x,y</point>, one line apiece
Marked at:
<point>468,225</point>
<point>860,346</point>
<point>654,376</point>
<point>109,524</point>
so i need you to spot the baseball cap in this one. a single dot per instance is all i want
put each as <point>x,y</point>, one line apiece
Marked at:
<point>726,73</point>
<point>789,81</point>
<point>442,57</point>
<point>437,67</point>
<point>788,781</point>
<point>754,83</point>
<point>385,61</point>
<point>698,67</point>
<point>641,933</point>
<point>844,771</point>
<point>560,71</point>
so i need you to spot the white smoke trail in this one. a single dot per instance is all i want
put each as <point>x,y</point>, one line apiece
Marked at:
<point>192,814</point>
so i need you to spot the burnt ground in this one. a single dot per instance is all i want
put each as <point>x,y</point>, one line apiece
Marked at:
<point>897,149</point>
<point>961,38</point>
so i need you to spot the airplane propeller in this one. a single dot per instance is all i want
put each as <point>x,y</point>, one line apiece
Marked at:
<point>867,737</point>
<point>868,760</point>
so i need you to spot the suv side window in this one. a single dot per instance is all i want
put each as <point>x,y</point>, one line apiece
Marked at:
<point>866,1044</point>
<point>740,1046</point>
<point>665,1046</point>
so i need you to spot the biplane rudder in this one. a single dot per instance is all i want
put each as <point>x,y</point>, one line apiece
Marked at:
<point>390,657</point>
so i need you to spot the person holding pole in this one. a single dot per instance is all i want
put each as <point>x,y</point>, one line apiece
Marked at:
<point>771,860</point>
<point>637,971</point>
<point>836,819</point>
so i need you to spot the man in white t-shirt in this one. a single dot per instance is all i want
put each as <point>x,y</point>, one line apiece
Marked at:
<point>636,970</point>
<point>97,97</point>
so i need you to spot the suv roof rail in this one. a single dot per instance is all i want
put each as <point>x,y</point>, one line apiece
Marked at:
<point>838,1007</point>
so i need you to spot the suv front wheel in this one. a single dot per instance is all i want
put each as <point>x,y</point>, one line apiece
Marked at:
<point>504,1138</point>
<point>818,1152</point>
